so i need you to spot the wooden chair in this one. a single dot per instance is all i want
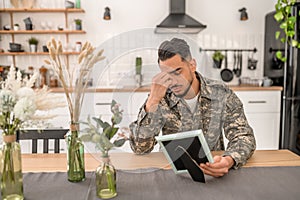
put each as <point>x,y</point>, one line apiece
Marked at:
<point>45,135</point>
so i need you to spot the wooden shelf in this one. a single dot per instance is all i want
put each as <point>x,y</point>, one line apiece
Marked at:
<point>70,10</point>
<point>42,32</point>
<point>33,53</point>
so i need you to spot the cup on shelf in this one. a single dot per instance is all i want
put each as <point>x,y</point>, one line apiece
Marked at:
<point>49,25</point>
<point>43,25</point>
<point>29,27</point>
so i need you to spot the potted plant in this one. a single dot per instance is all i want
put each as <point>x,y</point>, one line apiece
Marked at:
<point>33,42</point>
<point>78,24</point>
<point>287,22</point>
<point>217,58</point>
<point>16,27</point>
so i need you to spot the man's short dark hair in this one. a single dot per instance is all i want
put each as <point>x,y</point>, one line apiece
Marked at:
<point>168,49</point>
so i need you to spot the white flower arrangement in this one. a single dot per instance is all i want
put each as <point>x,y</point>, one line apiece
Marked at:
<point>19,103</point>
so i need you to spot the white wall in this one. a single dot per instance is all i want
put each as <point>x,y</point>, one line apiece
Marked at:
<point>130,33</point>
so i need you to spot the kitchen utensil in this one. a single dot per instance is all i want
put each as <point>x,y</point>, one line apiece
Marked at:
<point>234,63</point>
<point>276,63</point>
<point>69,4</point>
<point>226,74</point>
<point>239,64</point>
<point>252,62</point>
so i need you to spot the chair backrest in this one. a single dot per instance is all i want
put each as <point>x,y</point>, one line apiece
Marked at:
<point>45,135</point>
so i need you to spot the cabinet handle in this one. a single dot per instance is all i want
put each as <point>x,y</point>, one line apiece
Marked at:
<point>257,101</point>
<point>103,104</point>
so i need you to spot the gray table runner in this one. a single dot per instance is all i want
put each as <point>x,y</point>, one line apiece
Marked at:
<point>247,183</point>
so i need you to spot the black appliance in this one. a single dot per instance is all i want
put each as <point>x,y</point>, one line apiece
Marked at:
<point>273,67</point>
<point>289,74</point>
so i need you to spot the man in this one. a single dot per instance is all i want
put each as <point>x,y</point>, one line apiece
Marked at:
<point>181,100</point>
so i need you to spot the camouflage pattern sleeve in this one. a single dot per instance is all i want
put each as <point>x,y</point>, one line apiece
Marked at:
<point>241,143</point>
<point>143,131</point>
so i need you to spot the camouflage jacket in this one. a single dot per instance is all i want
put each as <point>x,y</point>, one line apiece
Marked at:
<point>217,108</point>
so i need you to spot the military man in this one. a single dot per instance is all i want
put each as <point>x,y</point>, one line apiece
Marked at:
<point>181,99</point>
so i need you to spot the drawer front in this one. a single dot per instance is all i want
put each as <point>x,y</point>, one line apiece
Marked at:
<point>260,101</point>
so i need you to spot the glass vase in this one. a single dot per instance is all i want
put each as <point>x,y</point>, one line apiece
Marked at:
<point>75,155</point>
<point>11,182</point>
<point>106,186</point>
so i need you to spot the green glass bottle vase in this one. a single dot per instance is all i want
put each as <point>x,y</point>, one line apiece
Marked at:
<point>106,186</point>
<point>11,182</point>
<point>75,155</point>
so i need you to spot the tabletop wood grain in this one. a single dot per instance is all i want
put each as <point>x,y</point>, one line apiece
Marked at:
<point>124,160</point>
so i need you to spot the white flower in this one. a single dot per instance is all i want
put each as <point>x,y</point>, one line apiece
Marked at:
<point>7,101</point>
<point>25,92</point>
<point>24,108</point>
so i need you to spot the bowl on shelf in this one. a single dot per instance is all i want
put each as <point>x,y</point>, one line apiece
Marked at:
<point>15,46</point>
<point>28,3</point>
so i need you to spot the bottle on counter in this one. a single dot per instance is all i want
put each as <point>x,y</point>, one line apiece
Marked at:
<point>43,76</point>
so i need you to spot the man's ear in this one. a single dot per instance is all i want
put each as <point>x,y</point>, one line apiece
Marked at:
<point>193,65</point>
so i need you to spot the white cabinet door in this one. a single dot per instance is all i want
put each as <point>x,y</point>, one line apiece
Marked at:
<point>262,109</point>
<point>266,129</point>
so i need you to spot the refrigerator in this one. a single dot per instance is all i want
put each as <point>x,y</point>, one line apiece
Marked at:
<point>288,76</point>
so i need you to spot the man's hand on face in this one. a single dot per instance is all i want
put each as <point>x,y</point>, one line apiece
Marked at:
<point>160,83</point>
<point>219,168</point>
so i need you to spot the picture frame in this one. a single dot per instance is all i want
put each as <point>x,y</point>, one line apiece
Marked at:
<point>185,151</point>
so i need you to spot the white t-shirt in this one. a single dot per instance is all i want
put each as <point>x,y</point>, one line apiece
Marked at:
<point>192,103</point>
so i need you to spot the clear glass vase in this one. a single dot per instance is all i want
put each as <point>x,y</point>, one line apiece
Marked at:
<point>106,186</point>
<point>75,154</point>
<point>11,182</point>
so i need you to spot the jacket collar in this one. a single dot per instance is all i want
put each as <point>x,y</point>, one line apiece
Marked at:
<point>205,91</point>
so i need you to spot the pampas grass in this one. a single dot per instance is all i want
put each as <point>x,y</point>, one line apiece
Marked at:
<point>74,92</point>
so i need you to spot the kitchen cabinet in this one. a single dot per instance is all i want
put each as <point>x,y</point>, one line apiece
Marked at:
<point>12,15</point>
<point>262,109</point>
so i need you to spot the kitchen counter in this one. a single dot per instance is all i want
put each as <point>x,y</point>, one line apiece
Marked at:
<point>147,89</point>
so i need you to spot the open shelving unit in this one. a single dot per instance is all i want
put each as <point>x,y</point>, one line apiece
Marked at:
<point>66,11</point>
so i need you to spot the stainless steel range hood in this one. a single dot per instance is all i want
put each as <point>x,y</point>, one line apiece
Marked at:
<point>178,21</point>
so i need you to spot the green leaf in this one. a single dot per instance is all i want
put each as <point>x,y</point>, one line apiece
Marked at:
<point>110,132</point>
<point>291,20</point>
<point>104,125</point>
<point>279,54</point>
<point>278,16</point>
<point>283,25</point>
<point>298,46</point>
<point>290,33</point>
<point>105,143</point>
<point>86,138</point>
<point>282,40</point>
<point>277,34</point>
<point>119,143</point>
<point>113,103</point>
<point>294,43</point>
<point>287,9</point>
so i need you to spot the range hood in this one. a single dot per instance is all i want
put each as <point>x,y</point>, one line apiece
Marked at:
<point>178,21</point>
